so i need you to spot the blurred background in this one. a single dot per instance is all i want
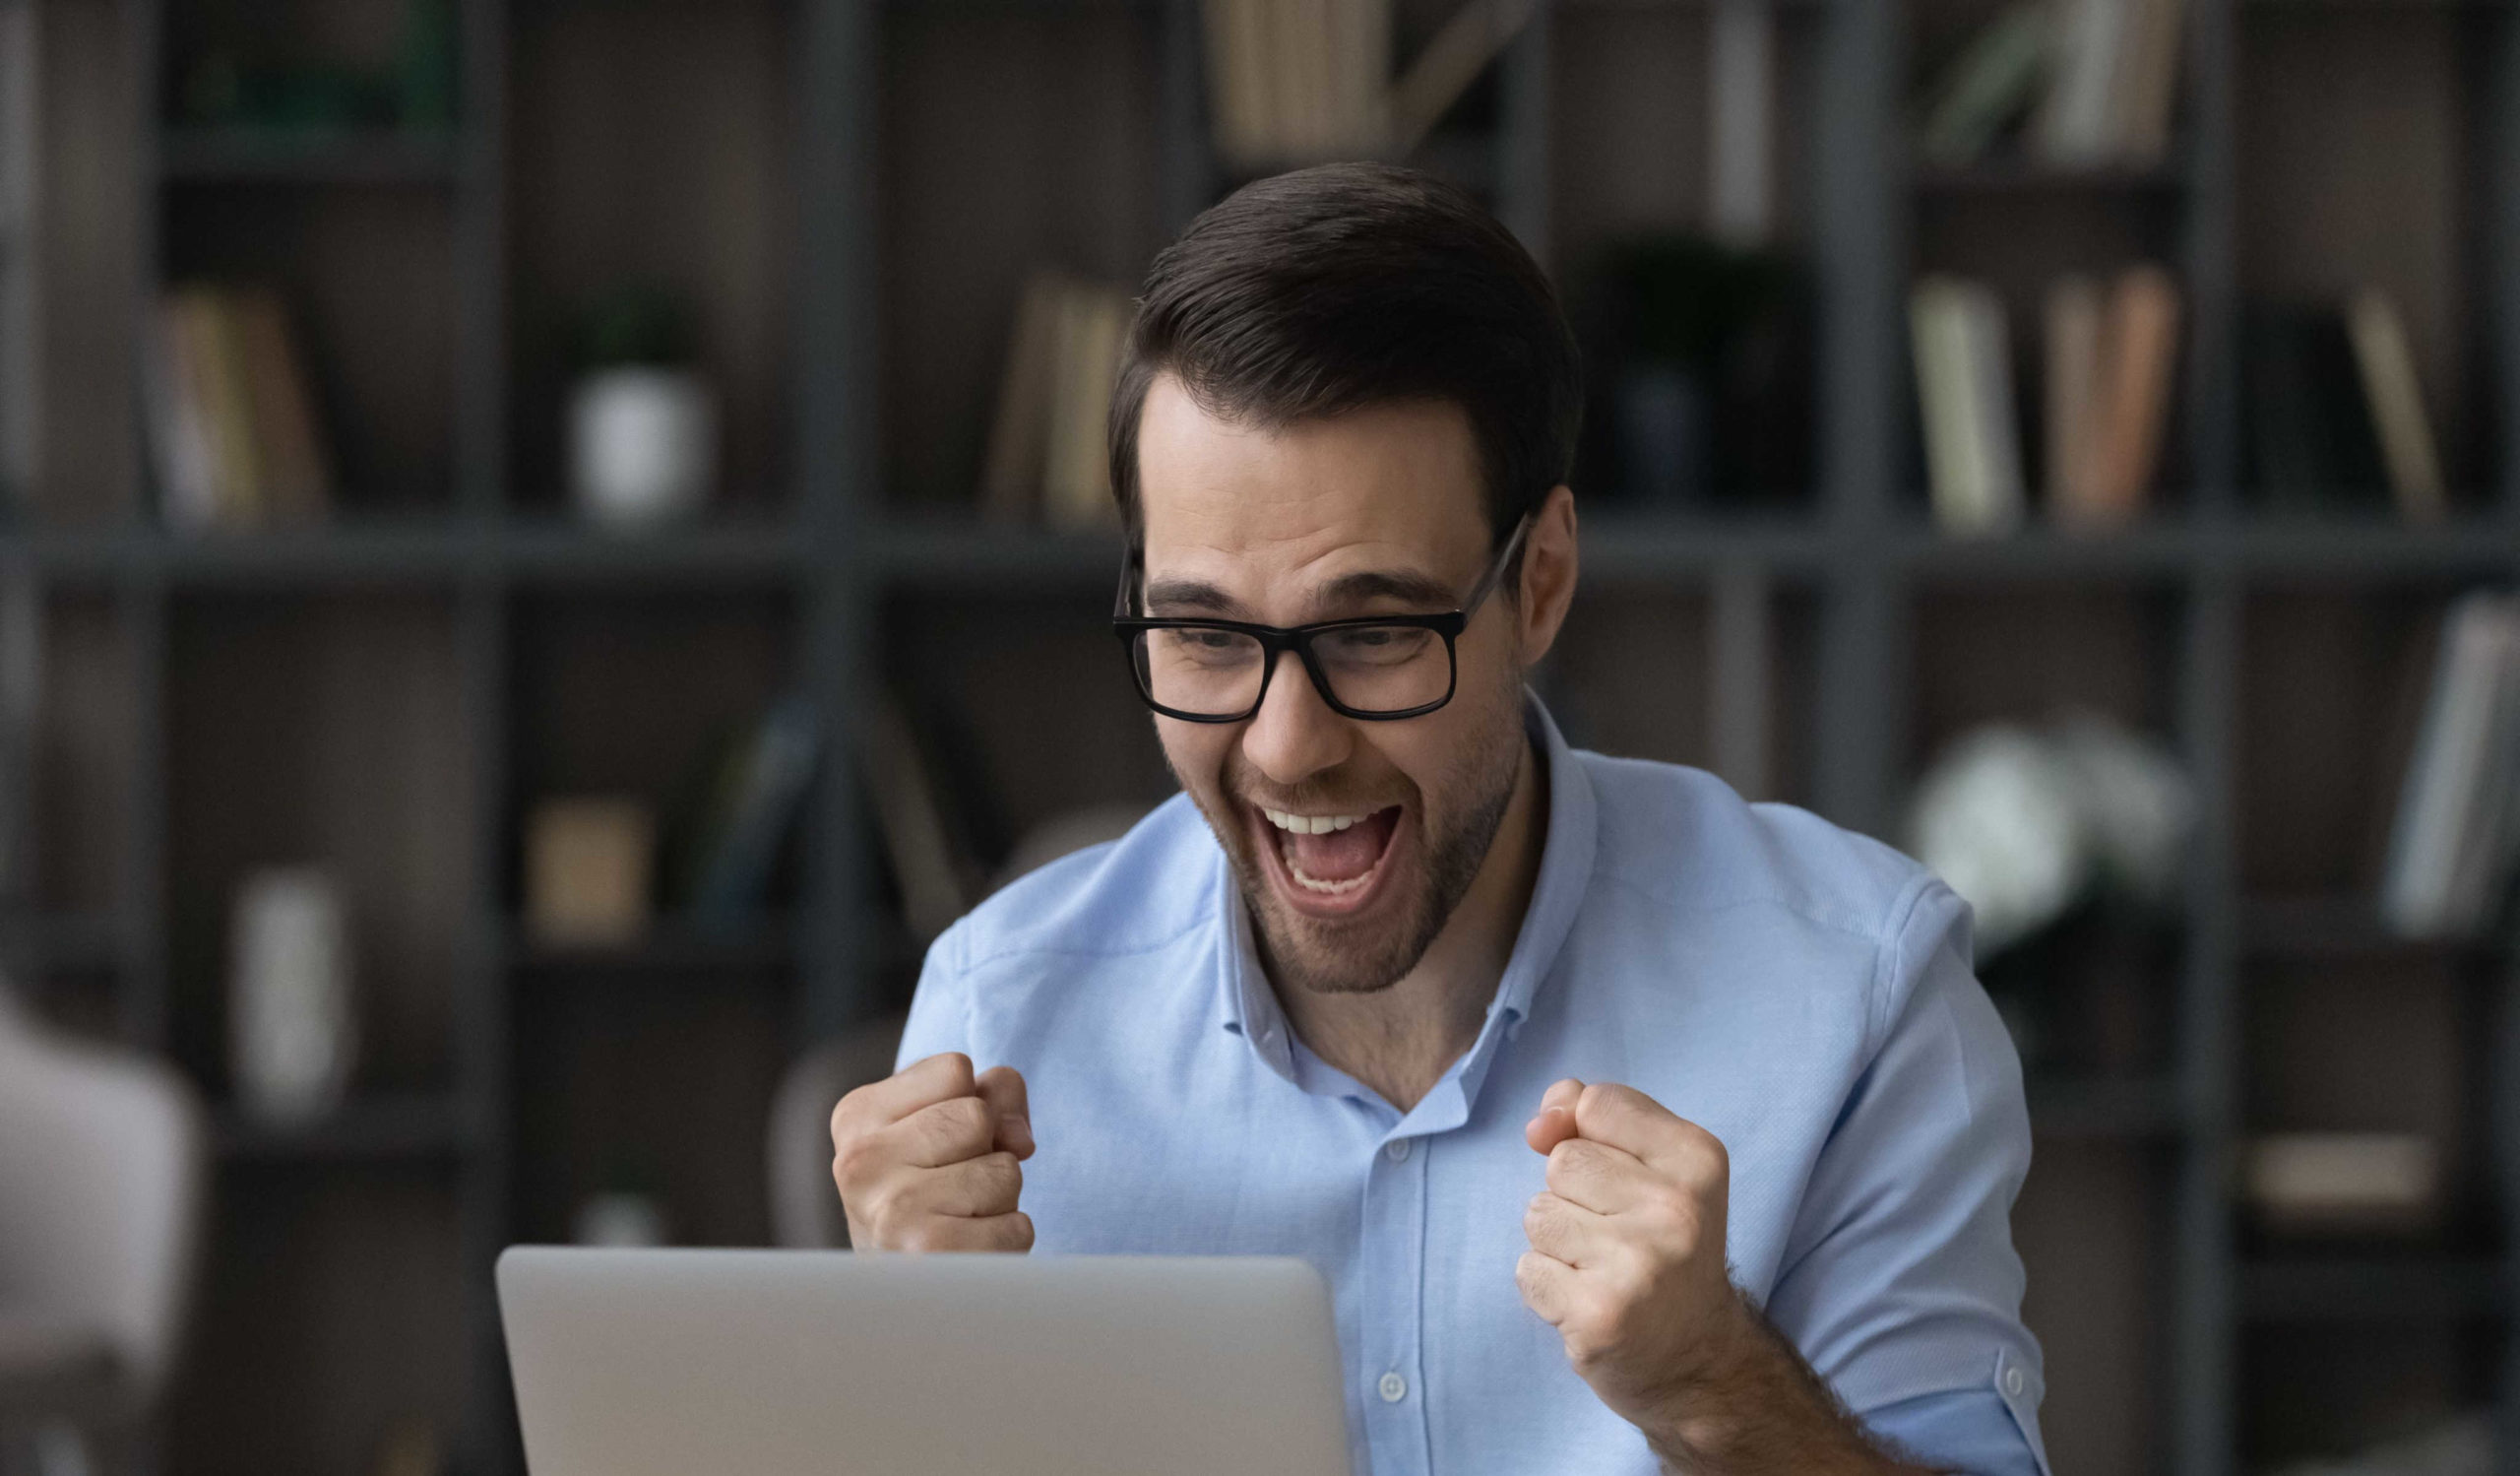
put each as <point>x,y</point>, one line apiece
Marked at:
<point>551,545</point>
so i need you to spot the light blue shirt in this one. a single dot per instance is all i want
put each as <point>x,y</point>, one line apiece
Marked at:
<point>1803,993</point>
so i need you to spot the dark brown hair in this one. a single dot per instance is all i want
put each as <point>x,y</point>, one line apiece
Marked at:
<point>1332,289</point>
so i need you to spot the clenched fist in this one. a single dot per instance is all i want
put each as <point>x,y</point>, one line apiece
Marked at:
<point>1627,1246</point>
<point>1627,1263</point>
<point>930,1159</point>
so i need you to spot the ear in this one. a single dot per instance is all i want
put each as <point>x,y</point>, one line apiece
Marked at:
<point>1548,573</point>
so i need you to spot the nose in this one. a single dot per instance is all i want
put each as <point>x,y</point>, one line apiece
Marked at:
<point>1294,734</point>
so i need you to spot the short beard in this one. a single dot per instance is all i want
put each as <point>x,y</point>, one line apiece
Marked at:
<point>1300,954</point>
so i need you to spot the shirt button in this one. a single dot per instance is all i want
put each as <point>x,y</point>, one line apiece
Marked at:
<point>2013,1383</point>
<point>1397,1150</point>
<point>1392,1389</point>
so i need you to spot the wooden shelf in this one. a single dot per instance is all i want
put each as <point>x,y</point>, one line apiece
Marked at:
<point>2016,177</point>
<point>246,155</point>
<point>77,942</point>
<point>672,947</point>
<point>371,1128</point>
<point>2310,928</point>
<point>2414,1289</point>
<point>2102,1109</point>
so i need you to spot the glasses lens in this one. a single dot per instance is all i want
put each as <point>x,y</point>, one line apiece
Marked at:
<point>1385,667</point>
<point>1210,672</point>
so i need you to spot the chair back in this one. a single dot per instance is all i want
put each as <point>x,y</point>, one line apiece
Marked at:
<point>804,1204</point>
<point>100,1181</point>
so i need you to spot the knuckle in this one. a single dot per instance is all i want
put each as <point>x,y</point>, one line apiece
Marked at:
<point>1019,1230</point>
<point>998,1178</point>
<point>954,1067</point>
<point>855,1160</point>
<point>965,1116</point>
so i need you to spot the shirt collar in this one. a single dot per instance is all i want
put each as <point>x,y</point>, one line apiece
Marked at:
<point>1250,1005</point>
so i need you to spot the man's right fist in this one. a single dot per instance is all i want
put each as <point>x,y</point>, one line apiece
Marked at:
<point>928,1160</point>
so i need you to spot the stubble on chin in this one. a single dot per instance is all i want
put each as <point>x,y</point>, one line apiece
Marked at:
<point>1363,957</point>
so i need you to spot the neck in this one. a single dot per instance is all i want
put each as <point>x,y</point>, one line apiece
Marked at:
<point>1400,1040</point>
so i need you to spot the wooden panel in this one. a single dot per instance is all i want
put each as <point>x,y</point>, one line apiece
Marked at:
<point>2331,691</point>
<point>658,1085</point>
<point>90,196</point>
<point>653,146</point>
<point>1014,138</point>
<point>1629,123</point>
<point>2090,1229</point>
<point>330,1314</point>
<point>2038,654</point>
<point>321,731</point>
<point>2326,1390</point>
<point>82,757</point>
<point>368,276</point>
<point>1631,675</point>
<point>2353,169</point>
<point>637,695</point>
<point>2385,1045</point>
<point>1028,704</point>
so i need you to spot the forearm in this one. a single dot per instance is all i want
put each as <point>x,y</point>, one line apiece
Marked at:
<point>1761,1411</point>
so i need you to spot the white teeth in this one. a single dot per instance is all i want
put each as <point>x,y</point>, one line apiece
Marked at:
<point>1309,824</point>
<point>1328,888</point>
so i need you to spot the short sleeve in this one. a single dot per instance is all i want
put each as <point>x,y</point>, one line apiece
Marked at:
<point>940,1011</point>
<point>1900,1281</point>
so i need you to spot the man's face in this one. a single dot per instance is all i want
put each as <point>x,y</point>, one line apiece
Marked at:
<point>1376,512</point>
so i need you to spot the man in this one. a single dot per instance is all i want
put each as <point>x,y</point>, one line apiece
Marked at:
<point>1634,1127</point>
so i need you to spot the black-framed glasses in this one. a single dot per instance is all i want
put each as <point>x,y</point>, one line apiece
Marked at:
<point>1374,668</point>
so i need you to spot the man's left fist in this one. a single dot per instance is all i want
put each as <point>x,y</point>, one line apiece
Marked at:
<point>1627,1249</point>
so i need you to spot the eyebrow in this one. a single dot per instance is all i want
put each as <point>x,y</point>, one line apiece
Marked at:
<point>1407,586</point>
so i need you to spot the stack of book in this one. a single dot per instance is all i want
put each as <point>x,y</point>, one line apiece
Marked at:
<point>2335,411</point>
<point>1298,78</point>
<point>233,434</point>
<point>2111,349</point>
<point>1292,82</point>
<point>2454,839</point>
<point>2086,83</point>
<point>1048,451</point>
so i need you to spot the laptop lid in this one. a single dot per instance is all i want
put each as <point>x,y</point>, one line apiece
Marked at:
<point>786,1363</point>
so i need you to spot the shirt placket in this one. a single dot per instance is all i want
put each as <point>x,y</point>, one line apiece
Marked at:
<point>1395,1269</point>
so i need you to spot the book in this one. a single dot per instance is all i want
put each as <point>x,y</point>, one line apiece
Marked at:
<point>1018,434</point>
<point>233,436</point>
<point>2139,344</point>
<point>2451,844</point>
<point>2385,365</point>
<point>175,400</point>
<point>936,883</point>
<point>589,869</point>
<point>1964,384</point>
<point>227,406</point>
<point>2072,314</point>
<point>1048,450</point>
<point>292,478</point>
<point>753,808</point>
<point>2342,1183</point>
<point>2072,126</point>
<point>1297,81</point>
<point>2146,81</point>
<point>1988,86</point>
<point>1447,65</point>
<point>1076,485</point>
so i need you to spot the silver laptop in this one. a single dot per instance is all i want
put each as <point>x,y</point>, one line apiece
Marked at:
<point>786,1363</point>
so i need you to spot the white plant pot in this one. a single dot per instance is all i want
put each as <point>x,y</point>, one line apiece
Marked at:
<point>291,1025</point>
<point>642,445</point>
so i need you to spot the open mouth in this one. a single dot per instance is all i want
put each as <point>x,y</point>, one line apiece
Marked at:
<point>1332,859</point>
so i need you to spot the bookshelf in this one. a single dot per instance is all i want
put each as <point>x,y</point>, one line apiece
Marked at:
<point>849,193</point>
